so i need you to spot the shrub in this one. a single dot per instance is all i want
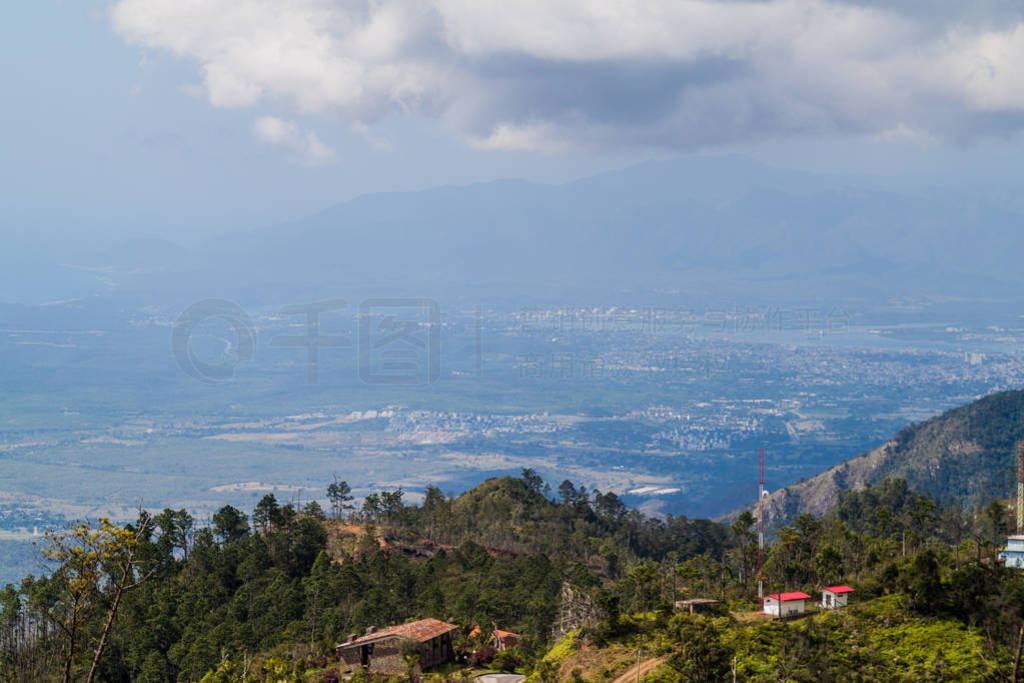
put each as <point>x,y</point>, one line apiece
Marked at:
<point>329,676</point>
<point>482,656</point>
<point>506,660</point>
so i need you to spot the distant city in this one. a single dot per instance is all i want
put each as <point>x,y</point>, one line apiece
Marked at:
<point>665,406</point>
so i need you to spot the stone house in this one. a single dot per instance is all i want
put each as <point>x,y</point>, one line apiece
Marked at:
<point>384,650</point>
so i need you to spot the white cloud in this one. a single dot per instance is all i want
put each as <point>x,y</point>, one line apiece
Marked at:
<point>306,146</point>
<point>558,74</point>
<point>274,130</point>
<point>539,137</point>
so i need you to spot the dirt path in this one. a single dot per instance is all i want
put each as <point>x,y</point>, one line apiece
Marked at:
<point>646,667</point>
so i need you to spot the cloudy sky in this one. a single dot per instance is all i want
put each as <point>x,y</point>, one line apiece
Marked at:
<point>185,117</point>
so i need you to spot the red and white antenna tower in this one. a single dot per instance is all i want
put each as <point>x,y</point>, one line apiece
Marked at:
<point>760,526</point>
<point>1020,487</point>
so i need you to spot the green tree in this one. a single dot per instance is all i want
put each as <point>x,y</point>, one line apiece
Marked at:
<point>702,656</point>
<point>745,538</point>
<point>176,529</point>
<point>372,510</point>
<point>567,491</point>
<point>828,564</point>
<point>230,524</point>
<point>609,506</point>
<point>95,566</point>
<point>995,523</point>
<point>340,495</point>
<point>315,511</point>
<point>267,513</point>
<point>533,480</point>
<point>924,584</point>
<point>317,589</point>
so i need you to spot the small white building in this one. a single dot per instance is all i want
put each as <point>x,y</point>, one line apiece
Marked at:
<point>1013,554</point>
<point>835,596</point>
<point>785,604</point>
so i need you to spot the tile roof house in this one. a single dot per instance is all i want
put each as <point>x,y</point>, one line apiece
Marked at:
<point>384,650</point>
<point>503,640</point>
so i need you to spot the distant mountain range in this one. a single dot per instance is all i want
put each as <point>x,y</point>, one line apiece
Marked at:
<point>967,454</point>
<point>704,227</point>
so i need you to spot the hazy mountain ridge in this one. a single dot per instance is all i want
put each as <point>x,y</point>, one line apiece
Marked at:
<point>966,454</point>
<point>708,226</point>
<point>661,224</point>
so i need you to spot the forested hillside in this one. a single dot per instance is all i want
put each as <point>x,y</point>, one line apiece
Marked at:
<point>498,553</point>
<point>965,454</point>
<point>268,596</point>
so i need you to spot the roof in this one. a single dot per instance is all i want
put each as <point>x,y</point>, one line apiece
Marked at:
<point>838,590</point>
<point>786,597</point>
<point>498,633</point>
<point>697,601</point>
<point>420,631</point>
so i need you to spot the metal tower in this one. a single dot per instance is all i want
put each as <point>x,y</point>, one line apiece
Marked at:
<point>1020,487</point>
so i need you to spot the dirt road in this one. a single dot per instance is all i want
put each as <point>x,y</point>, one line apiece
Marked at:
<point>646,667</point>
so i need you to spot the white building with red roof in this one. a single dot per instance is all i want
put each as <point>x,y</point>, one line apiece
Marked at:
<point>835,596</point>
<point>785,604</point>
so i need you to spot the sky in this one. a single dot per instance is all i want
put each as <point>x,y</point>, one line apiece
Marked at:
<point>186,118</point>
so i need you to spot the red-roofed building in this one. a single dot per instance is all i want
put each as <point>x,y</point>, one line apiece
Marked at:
<point>835,596</point>
<point>503,640</point>
<point>383,650</point>
<point>785,604</point>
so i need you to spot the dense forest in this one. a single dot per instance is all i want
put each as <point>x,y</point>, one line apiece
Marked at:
<point>267,596</point>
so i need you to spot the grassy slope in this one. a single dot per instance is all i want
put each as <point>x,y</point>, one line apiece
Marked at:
<point>876,640</point>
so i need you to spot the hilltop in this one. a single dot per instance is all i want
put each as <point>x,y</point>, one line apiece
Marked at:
<point>522,516</point>
<point>579,580</point>
<point>966,454</point>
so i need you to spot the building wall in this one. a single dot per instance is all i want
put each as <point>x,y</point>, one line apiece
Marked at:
<point>792,607</point>
<point>350,657</point>
<point>1014,558</point>
<point>832,600</point>
<point>784,609</point>
<point>436,651</point>
<point>386,655</point>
